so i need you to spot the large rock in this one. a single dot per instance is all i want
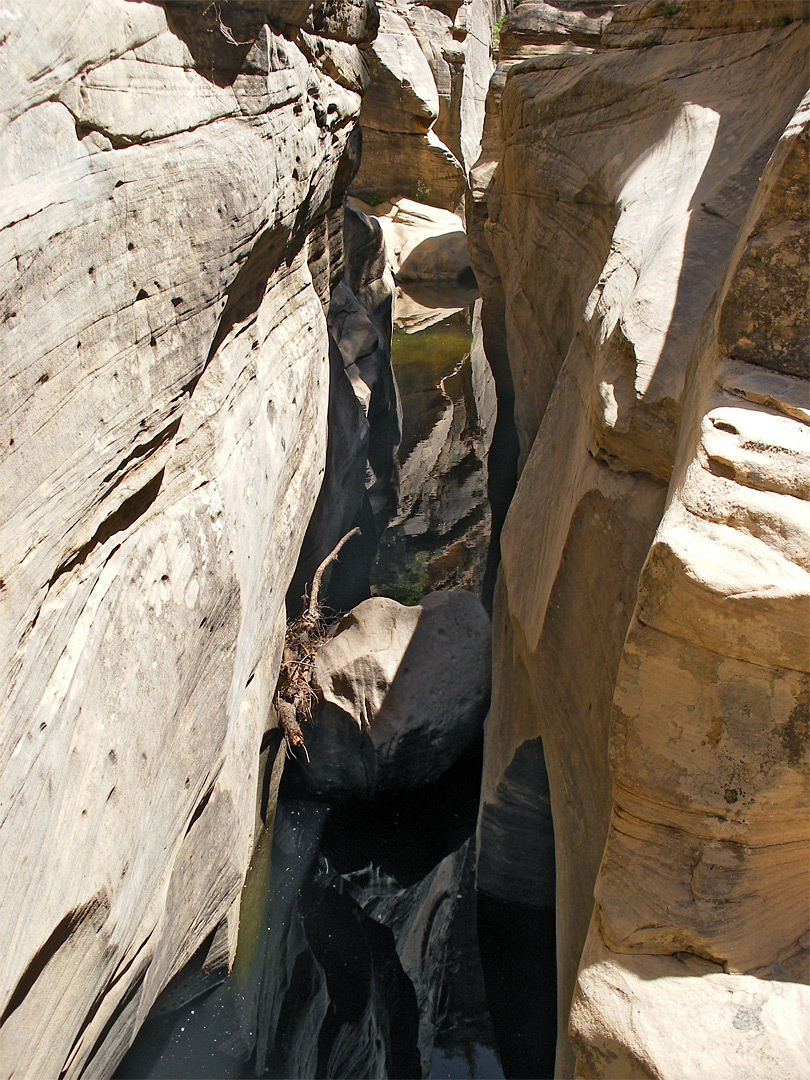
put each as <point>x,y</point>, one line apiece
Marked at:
<point>708,851</point>
<point>404,693</point>
<point>424,243</point>
<point>170,240</point>
<point>627,196</point>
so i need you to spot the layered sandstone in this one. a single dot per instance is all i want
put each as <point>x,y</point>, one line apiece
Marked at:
<point>645,256</point>
<point>429,68</point>
<point>172,231</point>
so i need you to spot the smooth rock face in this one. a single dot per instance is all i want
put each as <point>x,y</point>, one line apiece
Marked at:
<point>424,243</point>
<point>424,112</point>
<point>171,234</point>
<point>652,612</point>
<point>404,693</point>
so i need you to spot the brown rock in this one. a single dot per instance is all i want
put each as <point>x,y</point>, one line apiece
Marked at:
<point>404,692</point>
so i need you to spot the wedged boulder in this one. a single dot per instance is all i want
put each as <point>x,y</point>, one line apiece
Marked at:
<point>403,692</point>
<point>423,243</point>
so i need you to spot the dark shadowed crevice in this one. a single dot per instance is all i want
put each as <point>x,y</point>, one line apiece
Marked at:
<point>143,449</point>
<point>124,518</point>
<point>518,950</point>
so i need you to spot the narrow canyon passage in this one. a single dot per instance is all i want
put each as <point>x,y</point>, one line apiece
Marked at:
<point>404,539</point>
<point>359,951</point>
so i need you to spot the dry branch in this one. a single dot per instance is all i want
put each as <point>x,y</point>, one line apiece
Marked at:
<point>294,695</point>
<point>313,610</point>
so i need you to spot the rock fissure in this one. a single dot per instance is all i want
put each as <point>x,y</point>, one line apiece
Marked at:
<point>648,655</point>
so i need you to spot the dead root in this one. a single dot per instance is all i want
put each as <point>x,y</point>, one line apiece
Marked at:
<point>294,695</point>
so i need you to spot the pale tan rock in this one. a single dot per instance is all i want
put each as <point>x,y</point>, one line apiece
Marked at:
<point>163,426</point>
<point>618,208</point>
<point>424,243</point>
<point>418,306</point>
<point>423,115</point>
<point>649,1016</point>
<point>404,693</point>
<point>710,834</point>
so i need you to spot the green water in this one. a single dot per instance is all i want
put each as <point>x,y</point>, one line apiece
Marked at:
<point>420,361</point>
<point>438,537</point>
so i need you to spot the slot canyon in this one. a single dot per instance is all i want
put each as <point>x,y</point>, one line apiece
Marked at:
<point>405,539</point>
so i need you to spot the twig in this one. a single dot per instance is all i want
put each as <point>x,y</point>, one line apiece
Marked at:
<point>312,610</point>
<point>294,695</point>
<point>225,30</point>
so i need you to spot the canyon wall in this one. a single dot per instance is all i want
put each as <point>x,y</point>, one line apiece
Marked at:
<point>643,258</point>
<point>422,118</point>
<point>172,237</point>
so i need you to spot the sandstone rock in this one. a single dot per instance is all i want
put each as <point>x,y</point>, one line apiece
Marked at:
<point>616,211</point>
<point>424,243</point>
<point>404,693</point>
<point>742,1027</point>
<point>423,116</point>
<point>708,852</point>
<point>165,258</point>
<point>418,306</point>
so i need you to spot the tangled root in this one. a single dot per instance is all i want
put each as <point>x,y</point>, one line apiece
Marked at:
<point>305,635</point>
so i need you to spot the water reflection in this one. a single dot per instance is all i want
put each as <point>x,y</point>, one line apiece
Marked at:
<point>384,975</point>
<point>439,535</point>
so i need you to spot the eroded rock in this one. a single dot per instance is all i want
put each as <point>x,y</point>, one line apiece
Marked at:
<point>172,224</point>
<point>424,113</point>
<point>654,556</point>
<point>424,243</point>
<point>404,693</point>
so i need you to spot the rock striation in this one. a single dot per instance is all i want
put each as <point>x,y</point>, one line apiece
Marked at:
<point>422,118</point>
<point>172,237</point>
<point>643,265</point>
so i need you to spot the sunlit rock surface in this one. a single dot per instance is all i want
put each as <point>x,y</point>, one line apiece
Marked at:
<point>707,851</point>
<point>402,693</point>
<point>645,243</point>
<point>429,66</point>
<point>424,243</point>
<point>172,229</point>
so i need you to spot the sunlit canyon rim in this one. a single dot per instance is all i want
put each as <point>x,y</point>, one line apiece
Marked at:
<point>212,215</point>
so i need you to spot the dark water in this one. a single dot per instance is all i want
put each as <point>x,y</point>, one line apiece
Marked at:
<point>358,951</point>
<point>439,536</point>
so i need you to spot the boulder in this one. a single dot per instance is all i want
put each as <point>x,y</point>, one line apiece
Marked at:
<point>403,692</point>
<point>423,243</point>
